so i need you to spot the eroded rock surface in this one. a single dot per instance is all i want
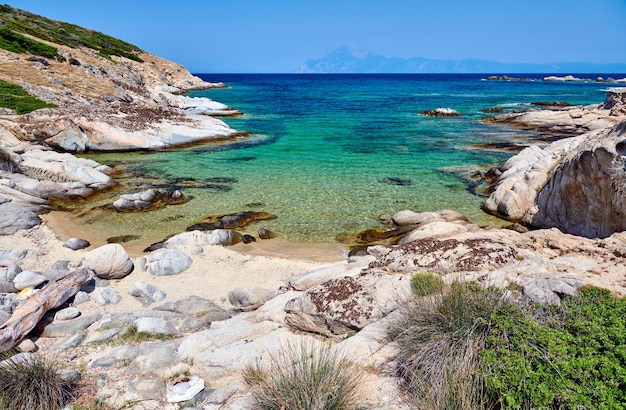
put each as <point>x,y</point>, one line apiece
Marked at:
<point>576,184</point>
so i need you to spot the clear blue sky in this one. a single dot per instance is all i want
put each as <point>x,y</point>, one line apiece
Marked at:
<point>252,36</point>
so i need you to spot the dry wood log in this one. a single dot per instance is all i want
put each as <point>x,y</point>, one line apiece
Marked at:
<point>30,311</point>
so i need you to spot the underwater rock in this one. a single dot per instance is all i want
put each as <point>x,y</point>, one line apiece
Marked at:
<point>396,181</point>
<point>231,221</point>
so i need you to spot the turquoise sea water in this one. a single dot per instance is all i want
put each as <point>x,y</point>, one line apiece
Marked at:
<point>329,154</point>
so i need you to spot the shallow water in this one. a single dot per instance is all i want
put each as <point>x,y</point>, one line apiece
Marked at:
<point>329,154</point>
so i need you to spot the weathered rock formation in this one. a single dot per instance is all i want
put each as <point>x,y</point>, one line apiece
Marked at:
<point>111,103</point>
<point>103,103</point>
<point>586,194</point>
<point>570,120</point>
<point>30,179</point>
<point>575,184</point>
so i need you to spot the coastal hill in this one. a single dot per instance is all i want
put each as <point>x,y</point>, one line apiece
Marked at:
<point>64,88</point>
<point>448,316</point>
<point>349,59</point>
<point>89,76</point>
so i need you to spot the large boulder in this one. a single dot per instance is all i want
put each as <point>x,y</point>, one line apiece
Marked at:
<point>346,304</point>
<point>147,200</point>
<point>443,255</point>
<point>196,238</point>
<point>109,262</point>
<point>586,195</point>
<point>14,217</point>
<point>522,177</point>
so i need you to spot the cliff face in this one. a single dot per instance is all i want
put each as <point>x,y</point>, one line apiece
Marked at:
<point>104,101</point>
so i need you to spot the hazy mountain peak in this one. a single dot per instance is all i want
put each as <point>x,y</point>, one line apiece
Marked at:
<point>350,59</point>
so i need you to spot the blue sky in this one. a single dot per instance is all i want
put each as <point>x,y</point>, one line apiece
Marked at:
<point>250,36</point>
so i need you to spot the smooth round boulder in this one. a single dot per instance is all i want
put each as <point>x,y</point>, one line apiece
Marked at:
<point>76,244</point>
<point>408,217</point>
<point>28,279</point>
<point>154,326</point>
<point>109,262</point>
<point>252,295</point>
<point>168,262</point>
<point>14,217</point>
<point>223,237</point>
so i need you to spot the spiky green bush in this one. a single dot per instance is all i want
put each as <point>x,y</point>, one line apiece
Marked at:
<point>305,377</point>
<point>439,339</point>
<point>426,283</point>
<point>30,382</point>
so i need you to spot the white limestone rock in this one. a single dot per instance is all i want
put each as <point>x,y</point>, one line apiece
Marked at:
<point>168,262</point>
<point>28,279</point>
<point>109,262</point>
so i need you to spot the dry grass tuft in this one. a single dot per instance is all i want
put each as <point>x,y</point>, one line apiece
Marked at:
<point>31,382</point>
<point>305,377</point>
<point>440,337</point>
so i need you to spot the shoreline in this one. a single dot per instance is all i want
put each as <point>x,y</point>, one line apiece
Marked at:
<point>64,227</point>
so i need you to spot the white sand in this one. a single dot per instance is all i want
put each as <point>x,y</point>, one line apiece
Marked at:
<point>213,273</point>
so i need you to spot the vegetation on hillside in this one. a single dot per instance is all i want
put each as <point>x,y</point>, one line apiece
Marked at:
<point>66,34</point>
<point>16,98</point>
<point>17,43</point>
<point>469,347</point>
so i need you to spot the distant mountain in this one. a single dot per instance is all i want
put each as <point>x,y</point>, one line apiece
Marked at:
<point>348,59</point>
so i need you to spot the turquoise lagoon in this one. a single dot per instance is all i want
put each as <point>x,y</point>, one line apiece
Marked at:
<point>329,154</point>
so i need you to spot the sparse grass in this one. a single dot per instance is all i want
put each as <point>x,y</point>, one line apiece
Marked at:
<point>440,337</point>
<point>32,382</point>
<point>131,335</point>
<point>16,98</point>
<point>305,377</point>
<point>426,283</point>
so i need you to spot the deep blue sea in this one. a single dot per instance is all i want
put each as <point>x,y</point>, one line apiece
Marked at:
<point>329,154</point>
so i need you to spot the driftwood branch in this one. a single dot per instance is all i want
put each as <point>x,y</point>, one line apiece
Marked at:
<point>30,311</point>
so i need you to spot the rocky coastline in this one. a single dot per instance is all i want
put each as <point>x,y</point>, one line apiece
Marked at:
<point>209,311</point>
<point>206,311</point>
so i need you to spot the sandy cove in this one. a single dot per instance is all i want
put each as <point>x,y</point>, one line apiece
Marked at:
<point>218,269</point>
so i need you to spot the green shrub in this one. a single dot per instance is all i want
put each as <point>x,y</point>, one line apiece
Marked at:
<point>439,340</point>
<point>469,347</point>
<point>16,98</point>
<point>32,382</point>
<point>572,357</point>
<point>304,377</point>
<point>17,43</point>
<point>426,283</point>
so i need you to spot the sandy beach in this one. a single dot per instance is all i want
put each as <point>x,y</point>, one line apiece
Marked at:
<point>213,273</point>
